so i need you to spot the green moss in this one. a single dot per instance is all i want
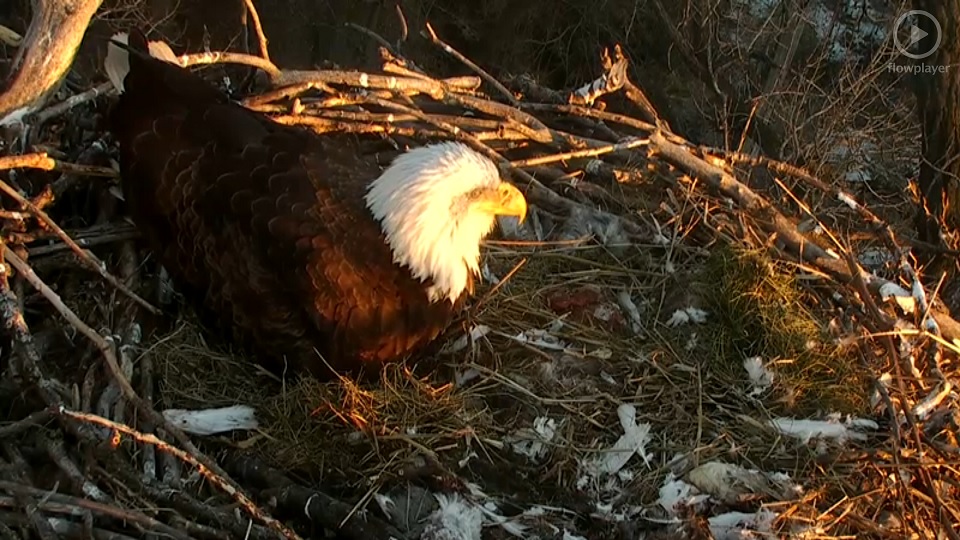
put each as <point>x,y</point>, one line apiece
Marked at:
<point>758,310</point>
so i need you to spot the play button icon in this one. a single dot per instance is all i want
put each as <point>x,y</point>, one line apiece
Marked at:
<point>917,35</point>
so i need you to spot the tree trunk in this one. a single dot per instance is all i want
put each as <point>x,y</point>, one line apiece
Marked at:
<point>937,90</point>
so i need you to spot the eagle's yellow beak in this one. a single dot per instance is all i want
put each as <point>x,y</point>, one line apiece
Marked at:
<point>508,201</point>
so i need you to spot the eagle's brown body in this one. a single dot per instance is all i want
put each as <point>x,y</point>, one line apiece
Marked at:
<point>264,225</point>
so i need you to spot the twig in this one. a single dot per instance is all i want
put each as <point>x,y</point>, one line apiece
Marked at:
<point>531,186</point>
<point>317,506</point>
<point>90,259</point>
<point>10,37</point>
<point>252,10</point>
<point>220,57</point>
<point>188,505</point>
<point>362,80</point>
<point>613,78</point>
<point>28,274</point>
<point>53,111</point>
<point>15,428</point>
<point>23,345</point>
<point>591,152</point>
<point>374,36</point>
<point>44,162</point>
<point>107,350</point>
<point>60,503</point>
<point>470,64</point>
<point>403,25</point>
<point>120,234</point>
<point>323,125</point>
<point>212,477</point>
<point>58,455</point>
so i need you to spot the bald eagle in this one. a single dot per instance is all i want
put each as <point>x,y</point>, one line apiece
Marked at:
<point>311,254</point>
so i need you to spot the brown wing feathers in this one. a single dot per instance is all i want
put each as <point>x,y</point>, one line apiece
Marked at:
<point>264,225</point>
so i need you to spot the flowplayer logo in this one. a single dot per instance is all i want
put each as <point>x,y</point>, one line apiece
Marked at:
<point>915,35</point>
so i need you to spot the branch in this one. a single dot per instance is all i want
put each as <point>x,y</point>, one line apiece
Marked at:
<point>211,476</point>
<point>90,259</point>
<point>48,49</point>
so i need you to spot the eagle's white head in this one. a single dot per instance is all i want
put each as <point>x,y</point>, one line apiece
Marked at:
<point>435,204</point>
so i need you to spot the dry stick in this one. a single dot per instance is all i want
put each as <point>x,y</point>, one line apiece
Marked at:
<point>42,161</point>
<point>533,187</point>
<point>534,128</point>
<point>323,125</point>
<point>23,344</point>
<point>797,172</point>
<point>350,121</point>
<point>374,36</point>
<point>15,428</point>
<point>120,235</point>
<point>437,89</point>
<point>477,69</point>
<point>391,118</point>
<point>78,99</point>
<point>362,80</point>
<point>220,57</point>
<point>184,502</point>
<point>89,258</point>
<point>591,152</point>
<point>63,504</point>
<point>613,77</point>
<point>210,475</point>
<point>580,110</point>
<point>773,221</point>
<point>10,37</point>
<point>252,10</point>
<point>107,350</point>
<point>281,93</point>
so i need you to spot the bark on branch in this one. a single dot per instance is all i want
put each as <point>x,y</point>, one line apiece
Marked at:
<point>46,55</point>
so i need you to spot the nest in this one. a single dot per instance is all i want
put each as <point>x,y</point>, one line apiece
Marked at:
<point>656,321</point>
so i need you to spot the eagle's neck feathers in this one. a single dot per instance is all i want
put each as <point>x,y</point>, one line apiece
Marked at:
<point>434,207</point>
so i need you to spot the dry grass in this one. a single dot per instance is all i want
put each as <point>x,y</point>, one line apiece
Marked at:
<point>688,383</point>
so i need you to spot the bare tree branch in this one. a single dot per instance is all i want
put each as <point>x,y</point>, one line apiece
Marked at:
<point>46,56</point>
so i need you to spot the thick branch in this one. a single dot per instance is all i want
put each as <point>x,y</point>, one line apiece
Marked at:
<point>51,42</point>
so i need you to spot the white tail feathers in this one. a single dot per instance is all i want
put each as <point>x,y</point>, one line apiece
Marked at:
<point>117,63</point>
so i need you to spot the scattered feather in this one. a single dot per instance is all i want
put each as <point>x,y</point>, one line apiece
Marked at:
<point>461,343</point>
<point>832,428</point>
<point>488,274</point>
<point>456,519</point>
<point>760,377</point>
<point>212,421</point>
<point>686,316</point>
<point>903,298</point>
<point>462,378</point>
<point>848,200</point>
<point>741,525</point>
<point>541,339</point>
<point>630,308</point>
<point>677,494</point>
<point>633,441</point>
<point>928,404</point>
<point>532,442</point>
